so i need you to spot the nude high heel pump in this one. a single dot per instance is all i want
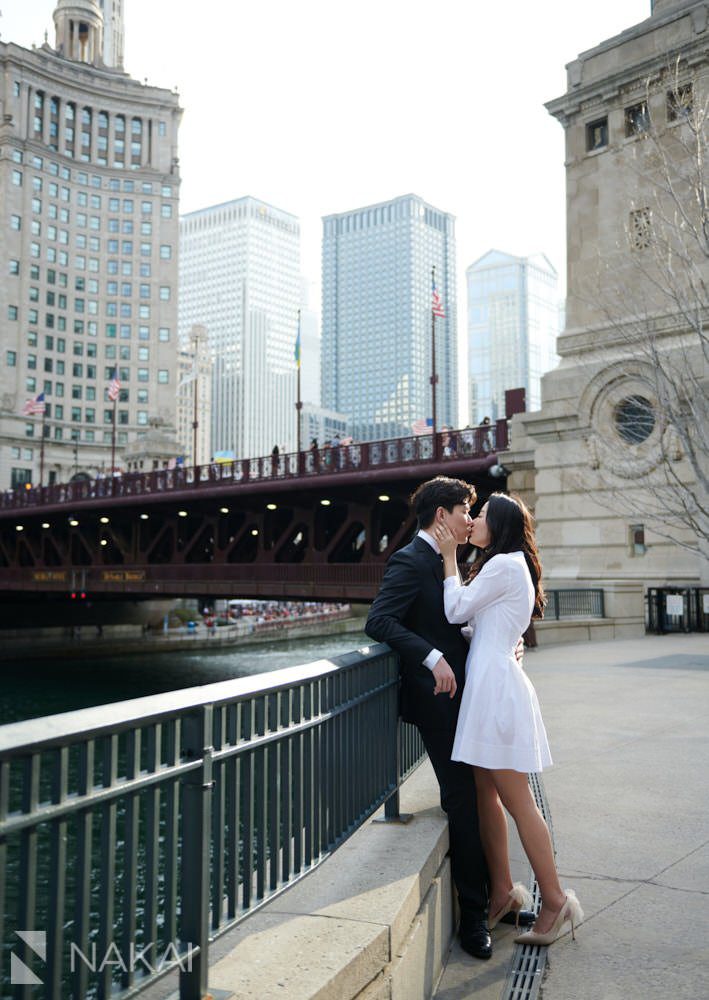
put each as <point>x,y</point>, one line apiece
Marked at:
<point>570,912</point>
<point>518,899</point>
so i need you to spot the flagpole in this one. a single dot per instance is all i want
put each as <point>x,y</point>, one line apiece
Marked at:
<point>298,404</point>
<point>41,451</point>
<point>434,376</point>
<point>195,418</point>
<point>113,440</point>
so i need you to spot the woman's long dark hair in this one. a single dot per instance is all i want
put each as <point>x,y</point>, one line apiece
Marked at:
<point>511,527</point>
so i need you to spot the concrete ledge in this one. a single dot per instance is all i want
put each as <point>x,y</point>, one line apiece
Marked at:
<point>375,921</point>
<point>566,630</point>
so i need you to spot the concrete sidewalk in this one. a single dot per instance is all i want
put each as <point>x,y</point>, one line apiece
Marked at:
<point>628,724</point>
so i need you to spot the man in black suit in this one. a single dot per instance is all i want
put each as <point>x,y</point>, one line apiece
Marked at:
<point>408,615</point>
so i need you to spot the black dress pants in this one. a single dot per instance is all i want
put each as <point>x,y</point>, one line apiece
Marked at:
<point>458,801</point>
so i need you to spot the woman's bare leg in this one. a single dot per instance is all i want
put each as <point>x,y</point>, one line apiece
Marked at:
<point>513,788</point>
<point>493,834</point>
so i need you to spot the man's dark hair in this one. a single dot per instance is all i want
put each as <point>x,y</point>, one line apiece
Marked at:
<point>440,492</point>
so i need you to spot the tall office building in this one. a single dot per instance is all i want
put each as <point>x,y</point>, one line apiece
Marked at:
<point>240,277</point>
<point>112,32</point>
<point>376,322</point>
<point>195,366</point>
<point>88,240</point>
<point>513,324</point>
<point>310,348</point>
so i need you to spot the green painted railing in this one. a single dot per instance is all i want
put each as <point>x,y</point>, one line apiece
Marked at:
<point>134,834</point>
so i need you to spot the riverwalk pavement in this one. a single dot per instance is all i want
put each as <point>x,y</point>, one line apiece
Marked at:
<point>628,724</point>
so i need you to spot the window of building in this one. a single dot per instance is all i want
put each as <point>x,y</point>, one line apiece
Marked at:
<point>680,102</point>
<point>11,359</point>
<point>634,419</point>
<point>597,134</point>
<point>16,222</point>
<point>12,312</point>
<point>165,293</point>
<point>165,251</point>
<point>637,119</point>
<point>163,376</point>
<point>637,540</point>
<point>14,267</point>
<point>143,375</point>
<point>164,334</point>
<point>640,228</point>
<point>17,178</point>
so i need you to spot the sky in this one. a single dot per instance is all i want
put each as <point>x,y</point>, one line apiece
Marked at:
<point>322,106</point>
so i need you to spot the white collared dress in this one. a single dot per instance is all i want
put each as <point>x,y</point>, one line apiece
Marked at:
<point>500,723</point>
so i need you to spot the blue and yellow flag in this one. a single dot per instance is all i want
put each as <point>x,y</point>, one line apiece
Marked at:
<point>297,344</point>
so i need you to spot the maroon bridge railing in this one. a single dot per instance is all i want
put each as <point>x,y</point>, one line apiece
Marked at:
<point>471,442</point>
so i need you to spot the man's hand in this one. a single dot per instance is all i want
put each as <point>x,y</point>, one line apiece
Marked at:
<point>444,678</point>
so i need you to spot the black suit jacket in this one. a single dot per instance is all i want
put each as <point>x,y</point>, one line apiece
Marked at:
<point>408,615</point>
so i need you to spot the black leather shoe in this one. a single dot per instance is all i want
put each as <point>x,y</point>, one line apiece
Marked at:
<point>525,917</point>
<point>475,938</point>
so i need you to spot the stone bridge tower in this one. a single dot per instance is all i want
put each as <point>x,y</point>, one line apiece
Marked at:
<point>611,455</point>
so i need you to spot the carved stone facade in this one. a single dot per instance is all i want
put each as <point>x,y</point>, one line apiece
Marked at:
<point>602,448</point>
<point>89,194</point>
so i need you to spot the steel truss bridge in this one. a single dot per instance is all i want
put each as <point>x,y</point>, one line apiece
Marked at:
<point>314,526</point>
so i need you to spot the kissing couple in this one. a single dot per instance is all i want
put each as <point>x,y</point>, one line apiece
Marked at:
<point>473,704</point>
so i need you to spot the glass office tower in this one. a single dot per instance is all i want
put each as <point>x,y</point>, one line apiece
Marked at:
<point>376,322</point>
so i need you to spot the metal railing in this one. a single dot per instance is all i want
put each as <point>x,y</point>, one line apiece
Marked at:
<point>574,604</point>
<point>472,442</point>
<point>677,609</point>
<point>133,834</point>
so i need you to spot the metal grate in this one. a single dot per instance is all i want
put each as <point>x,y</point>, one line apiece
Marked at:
<point>528,963</point>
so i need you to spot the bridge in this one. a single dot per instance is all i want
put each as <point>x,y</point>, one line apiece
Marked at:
<point>318,525</point>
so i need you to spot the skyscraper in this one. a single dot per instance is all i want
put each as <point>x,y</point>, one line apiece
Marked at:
<point>513,323</point>
<point>240,277</point>
<point>376,322</point>
<point>112,32</point>
<point>88,236</point>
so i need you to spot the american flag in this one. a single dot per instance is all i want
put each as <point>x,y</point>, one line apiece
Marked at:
<point>422,426</point>
<point>114,387</point>
<point>34,407</point>
<point>437,302</point>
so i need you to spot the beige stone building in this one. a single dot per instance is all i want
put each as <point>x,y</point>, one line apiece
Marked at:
<point>89,188</point>
<point>195,369</point>
<point>610,460</point>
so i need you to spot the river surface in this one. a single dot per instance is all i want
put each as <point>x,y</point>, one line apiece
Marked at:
<point>32,688</point>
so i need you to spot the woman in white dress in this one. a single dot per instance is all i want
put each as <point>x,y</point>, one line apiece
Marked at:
<point>500,729</point>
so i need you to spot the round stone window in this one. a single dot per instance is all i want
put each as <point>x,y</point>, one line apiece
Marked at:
<point>634,419</point>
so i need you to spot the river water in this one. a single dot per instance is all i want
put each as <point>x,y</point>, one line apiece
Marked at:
<point>32,688</point>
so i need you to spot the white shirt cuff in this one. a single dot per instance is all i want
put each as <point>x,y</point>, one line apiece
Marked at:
<point>432,658</point>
